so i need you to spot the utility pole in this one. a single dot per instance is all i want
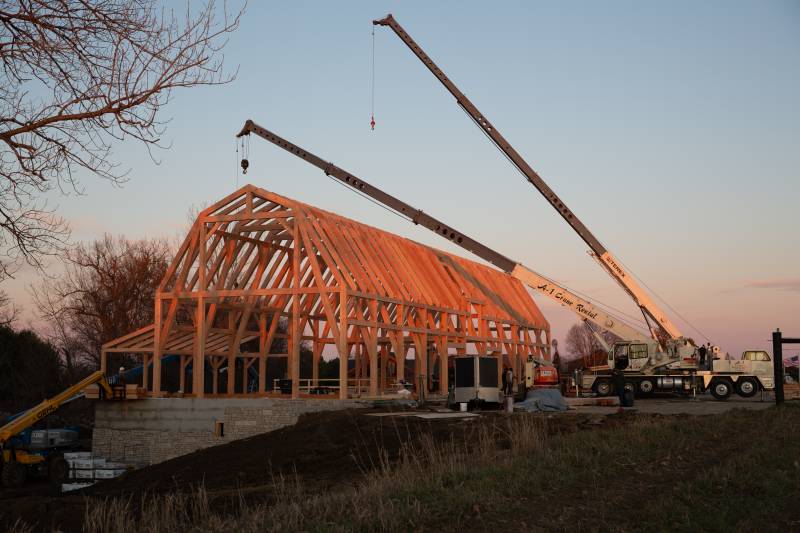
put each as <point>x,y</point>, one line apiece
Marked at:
<point>778,341</point>
<point>777,364</point>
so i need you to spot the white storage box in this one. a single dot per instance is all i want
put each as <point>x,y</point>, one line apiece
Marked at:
<point>77,455</point>
<point>43,438</point>
<point>89,463</point>
<point>84,474</point>
<point>106,473</point>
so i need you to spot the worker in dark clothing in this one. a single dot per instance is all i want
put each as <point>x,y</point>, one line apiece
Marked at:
<point>618,380</point>
<point>702,353</point>
<point>509,385</point>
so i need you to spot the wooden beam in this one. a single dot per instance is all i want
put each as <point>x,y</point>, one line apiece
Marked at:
<point>198,363</point>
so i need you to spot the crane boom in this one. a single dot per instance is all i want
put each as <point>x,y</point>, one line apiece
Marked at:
<point>45,408</point>
<point>609,263</point>
<point>543,285</point>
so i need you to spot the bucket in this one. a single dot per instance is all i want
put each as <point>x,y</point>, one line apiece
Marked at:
<point>462,407</point>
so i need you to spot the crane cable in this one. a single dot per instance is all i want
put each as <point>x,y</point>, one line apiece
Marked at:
<point>236,165</point>
<point>372,84</point>
<point>480,127</point>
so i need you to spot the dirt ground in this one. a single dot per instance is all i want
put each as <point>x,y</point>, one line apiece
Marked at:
<point>324,450</point>
<point>701,405</point>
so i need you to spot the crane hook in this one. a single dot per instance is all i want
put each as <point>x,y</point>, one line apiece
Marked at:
<point>245,165</point>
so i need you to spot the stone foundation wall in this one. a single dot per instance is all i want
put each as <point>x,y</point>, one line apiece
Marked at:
<point>153,430</point>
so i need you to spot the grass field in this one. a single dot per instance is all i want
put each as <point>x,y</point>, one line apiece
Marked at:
<point>734,472</point>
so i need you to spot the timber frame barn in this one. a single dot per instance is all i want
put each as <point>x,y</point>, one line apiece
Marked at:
<point>255,261</point>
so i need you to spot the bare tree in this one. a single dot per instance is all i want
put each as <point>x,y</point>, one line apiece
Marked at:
<point>106,291</point>
<point>78,76</point>
<point>581,342</point>
<point>8,310</point>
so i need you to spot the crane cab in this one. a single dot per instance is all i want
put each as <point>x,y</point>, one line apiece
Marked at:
<point>628,356</point>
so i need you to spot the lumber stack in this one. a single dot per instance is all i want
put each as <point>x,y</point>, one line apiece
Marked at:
<point>791,391</point>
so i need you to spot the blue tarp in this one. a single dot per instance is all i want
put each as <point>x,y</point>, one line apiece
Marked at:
<point>538,400</point>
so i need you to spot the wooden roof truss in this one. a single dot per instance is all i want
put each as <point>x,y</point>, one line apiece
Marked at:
<point>254,259</point>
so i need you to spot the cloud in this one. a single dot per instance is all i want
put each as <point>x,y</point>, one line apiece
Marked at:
<point>786,284</point>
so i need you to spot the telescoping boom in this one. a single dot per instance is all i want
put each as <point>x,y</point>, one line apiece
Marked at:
<point>654,316</point>
<point>46,407</point>
<point>543,285</point>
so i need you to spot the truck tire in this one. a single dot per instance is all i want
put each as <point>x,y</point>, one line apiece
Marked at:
<point>630,386</point>
<point>14,475</point>
<point>602,387</point>
<point>746,387</point>
<point>721,389</point>
<point>647,387</point>
<point>57,469</point>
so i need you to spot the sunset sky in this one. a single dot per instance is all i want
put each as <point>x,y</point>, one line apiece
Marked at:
<point>671,129</point>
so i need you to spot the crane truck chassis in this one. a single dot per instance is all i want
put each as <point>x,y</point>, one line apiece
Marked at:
<point>746,376</point>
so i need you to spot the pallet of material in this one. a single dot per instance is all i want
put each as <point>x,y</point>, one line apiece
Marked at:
<point>132,392</point>
<point>791,391</point>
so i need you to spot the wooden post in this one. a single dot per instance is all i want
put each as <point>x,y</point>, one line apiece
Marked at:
<point>343,347</point>
<point>145,370</point>
<point>245,369</point>
<point>262,353</point>
<point>371,344</point>
<point>443,359</point>
<point>182,379</point>
<point>198,364</point>
<point>215,376</point>
<point>232,351</point>
<point>357,365</point>
<point>294,335</point>
<point>157,349</point>
<point>384,366</point>
<point>400,356</point>
<point>443,352</point>
<point>372,352</point>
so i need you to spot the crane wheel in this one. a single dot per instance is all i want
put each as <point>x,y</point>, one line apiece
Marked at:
<point>14,475</point>
<point>647,387</point>
<point>58,469</point>
<point>746,387</point>
<point>602,387</point>
<point>721,389</point>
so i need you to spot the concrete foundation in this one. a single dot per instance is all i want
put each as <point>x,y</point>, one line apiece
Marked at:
<point>150,431</point>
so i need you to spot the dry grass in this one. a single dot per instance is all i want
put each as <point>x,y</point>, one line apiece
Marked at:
<point>732,472</point>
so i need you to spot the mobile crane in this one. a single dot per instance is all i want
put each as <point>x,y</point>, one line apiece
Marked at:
<point>668,352</point>
<point>641,378</point>
<point>19,459</point>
